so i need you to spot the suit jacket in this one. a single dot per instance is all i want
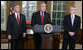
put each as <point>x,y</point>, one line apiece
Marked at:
<point>12,27</point>
<point>68,26</point>
<point>36,18</point>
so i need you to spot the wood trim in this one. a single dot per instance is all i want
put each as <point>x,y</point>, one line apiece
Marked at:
<point>4,40</point>
<point>79,37</point>
<point>3,34</point>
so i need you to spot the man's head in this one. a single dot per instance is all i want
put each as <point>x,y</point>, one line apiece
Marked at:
<point>17,8</point>
<point>42,7</point>
<point>72,10</point>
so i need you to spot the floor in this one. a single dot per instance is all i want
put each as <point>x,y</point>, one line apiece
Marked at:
<point>5,46</point>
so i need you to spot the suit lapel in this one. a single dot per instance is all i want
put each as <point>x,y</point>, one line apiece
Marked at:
<point>14,17</point>
<point>44,16</point>
<point>70,20</point>
<point>74,20</point>
<point>39,16</point>
<point>20,19</point>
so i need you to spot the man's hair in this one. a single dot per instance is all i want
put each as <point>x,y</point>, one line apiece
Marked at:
<point>42,3</point>
<point>73,7</point>
<point>17,5</point>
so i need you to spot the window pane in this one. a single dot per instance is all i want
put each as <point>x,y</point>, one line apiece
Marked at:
<point>58,15</point>
<point>54,7</point>
<point>58,22</point>
<point>54,14</point>
<point>29,7</point>
<point>60,2</point>
<point>61,22</point>
<point>64,7</point>
<point>24,5</point>
<point>53,21</point>
<point>59,7</point>
<point>54,2</point>
<point>3,16</point>
<point>63,14</point>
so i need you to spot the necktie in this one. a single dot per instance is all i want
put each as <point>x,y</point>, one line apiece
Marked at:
<point>42,18</point>
<point>17,19</point>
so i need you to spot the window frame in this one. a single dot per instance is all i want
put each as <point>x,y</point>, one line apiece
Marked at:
<point>57,11</point>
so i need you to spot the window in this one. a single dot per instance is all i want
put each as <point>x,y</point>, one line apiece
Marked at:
<point>58,12</point>
<point>3,15</point>
<point>28,7</point>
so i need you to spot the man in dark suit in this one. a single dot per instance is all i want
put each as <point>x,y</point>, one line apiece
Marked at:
<point>16,28</point>
<point>40,18</point>
<point>71,26</point>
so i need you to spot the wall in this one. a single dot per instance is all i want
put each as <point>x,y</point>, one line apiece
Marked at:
<point>78,5</point>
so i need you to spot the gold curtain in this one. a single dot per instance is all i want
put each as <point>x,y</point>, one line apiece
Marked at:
<point>48,7</point>
<point>68,4</point>
<point>38,4</point>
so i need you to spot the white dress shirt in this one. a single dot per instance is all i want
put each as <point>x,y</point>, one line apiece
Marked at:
<point>72,18</point>
<point>41,13</point>
<point>18,15</point>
